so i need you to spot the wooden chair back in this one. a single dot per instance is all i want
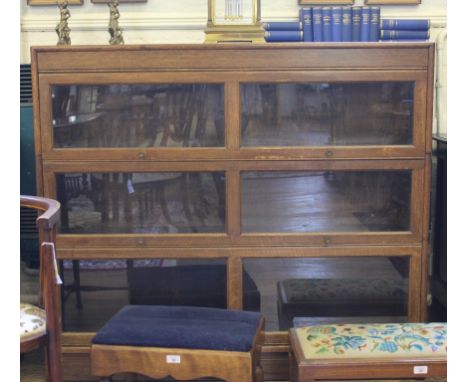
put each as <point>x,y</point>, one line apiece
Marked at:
<point>49,288</point>
<point>46,223</point>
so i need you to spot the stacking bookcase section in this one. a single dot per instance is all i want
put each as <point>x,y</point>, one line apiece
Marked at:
<point>257,173</point>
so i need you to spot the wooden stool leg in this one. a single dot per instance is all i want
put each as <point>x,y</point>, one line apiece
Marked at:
<point>259,376</point>
<point>293,377</point>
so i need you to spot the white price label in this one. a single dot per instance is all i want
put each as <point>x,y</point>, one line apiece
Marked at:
<point>172,358</point>
<point>420,370</point>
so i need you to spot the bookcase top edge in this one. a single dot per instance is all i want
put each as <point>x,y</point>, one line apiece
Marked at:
<point>236,46</point>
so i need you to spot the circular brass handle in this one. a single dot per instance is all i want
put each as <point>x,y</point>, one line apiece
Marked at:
<point>326,240</point>
<point>141,242</point>
<point>141,156</point>
<point>328,153</point>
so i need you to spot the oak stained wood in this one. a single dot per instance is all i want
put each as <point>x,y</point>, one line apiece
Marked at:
<point>234,57</point>
<point>233,65</point>
<point>233,150</point>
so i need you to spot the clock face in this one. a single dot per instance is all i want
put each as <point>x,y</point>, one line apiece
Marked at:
<point>233,12</point>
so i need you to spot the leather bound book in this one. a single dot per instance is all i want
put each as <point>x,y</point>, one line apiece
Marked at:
<point>365,24</point>
<point>317,20</point>
<point>404,35</point>
<point>283,36</point>
<point>283,26</point>
<point>327,23</point>
<point>337,24</point>
<point>375,24</point>
<point>396,24</point>
<point>347,32</point>
<point>305,16</point>
<point>356,14</point>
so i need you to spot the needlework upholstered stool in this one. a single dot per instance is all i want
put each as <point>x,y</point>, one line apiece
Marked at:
<point>181,342</point>
<point>340,298</point>
<point>368,351</point>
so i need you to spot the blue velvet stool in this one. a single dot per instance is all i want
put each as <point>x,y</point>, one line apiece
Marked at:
<point>180,341</point>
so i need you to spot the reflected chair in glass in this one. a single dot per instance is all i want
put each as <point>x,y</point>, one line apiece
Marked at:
<point>185,118</point>
<point>41,325</point>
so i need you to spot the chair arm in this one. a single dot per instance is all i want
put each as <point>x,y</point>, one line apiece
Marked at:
<point>49,207</point>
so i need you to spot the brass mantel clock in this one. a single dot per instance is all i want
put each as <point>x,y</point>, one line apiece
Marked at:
<point>234,21</point>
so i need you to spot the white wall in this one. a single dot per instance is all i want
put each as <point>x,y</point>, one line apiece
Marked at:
<point>183,21</point>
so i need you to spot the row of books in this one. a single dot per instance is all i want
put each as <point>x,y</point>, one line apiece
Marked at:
<point>343,23</point>
<point>332,24</point>
<point>401,30</point>
<point>280,31</point>
<point>336,24</point>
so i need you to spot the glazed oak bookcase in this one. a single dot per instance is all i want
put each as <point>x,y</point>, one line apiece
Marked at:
<point>269,170</point>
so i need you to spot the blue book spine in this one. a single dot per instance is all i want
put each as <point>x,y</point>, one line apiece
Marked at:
<point>326,24</point>
<point>337,24</point>
<point>356,13</point>
<point>404,35</point>
<point>396,24</point>
<point>375,24</point>
<point>283,26</point>
<point>365,24</point>
<point>317,23</point>
<point>306,19</point>
<point>347,25</point>
<point>283,36</point>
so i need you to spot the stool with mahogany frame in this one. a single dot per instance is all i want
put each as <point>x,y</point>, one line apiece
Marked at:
<point>388,351</point>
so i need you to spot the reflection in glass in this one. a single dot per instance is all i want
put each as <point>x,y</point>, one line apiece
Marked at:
<point>323,114</point>
<point>105,286</point>
<point>308,291</point>
<point>326,201</point>
<point>182,202</point>
<point>176,115</point>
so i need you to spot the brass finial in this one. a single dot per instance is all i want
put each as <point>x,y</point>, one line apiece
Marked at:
<point>62,28</point>
<point>114,29</point>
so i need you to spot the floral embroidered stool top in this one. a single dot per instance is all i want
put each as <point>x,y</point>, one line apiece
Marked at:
<point>32,322</point>
<point>357,341</point>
